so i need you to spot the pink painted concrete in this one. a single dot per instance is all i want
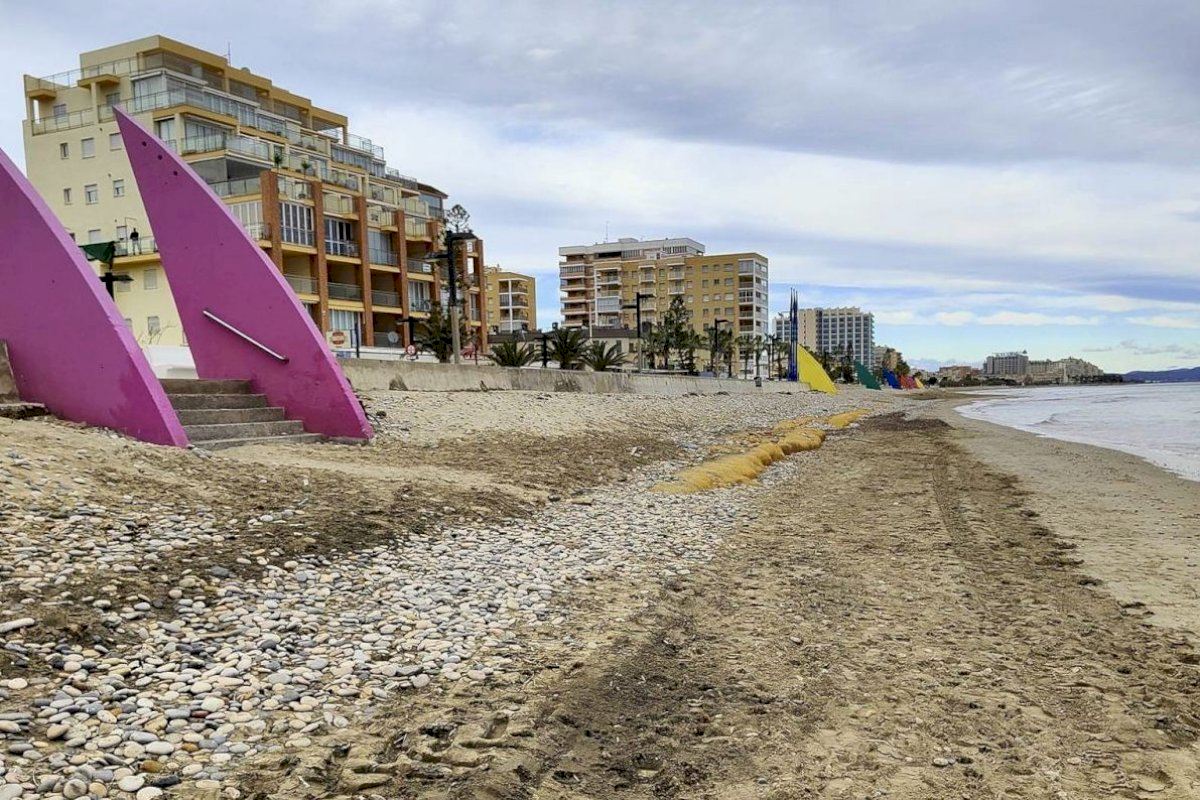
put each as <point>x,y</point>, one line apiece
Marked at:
<point>69,348</point>
<point>212,263</point>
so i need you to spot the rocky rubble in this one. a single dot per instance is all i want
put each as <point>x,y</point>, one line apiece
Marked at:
<point>138,688</point>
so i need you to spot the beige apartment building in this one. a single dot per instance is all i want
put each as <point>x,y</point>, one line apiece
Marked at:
<point>511,300</point>
<point>600,284</point>
<point>353,236</point>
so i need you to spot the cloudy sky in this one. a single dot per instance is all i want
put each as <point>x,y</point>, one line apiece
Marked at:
<point>1016,174</point>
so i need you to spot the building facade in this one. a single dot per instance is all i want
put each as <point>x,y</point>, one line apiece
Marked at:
<point>886,357</point>
<point>1062,370</point>
<point>833,331</point>
<point>600,285</point>
<point>1006,365</point>
<point>352,235</point>
<point>511,300</point>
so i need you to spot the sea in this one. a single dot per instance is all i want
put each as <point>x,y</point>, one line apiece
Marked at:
<point>1159,422</point>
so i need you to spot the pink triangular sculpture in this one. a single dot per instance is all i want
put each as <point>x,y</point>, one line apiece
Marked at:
<point>241,318</point>
<point>69,348</point>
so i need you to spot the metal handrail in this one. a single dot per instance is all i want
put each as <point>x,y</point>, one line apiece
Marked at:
<point>245,336</point>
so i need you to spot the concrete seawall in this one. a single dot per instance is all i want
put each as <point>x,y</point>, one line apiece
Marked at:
<point>369,375</point>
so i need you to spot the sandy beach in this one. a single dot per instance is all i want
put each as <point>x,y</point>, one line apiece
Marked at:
<point>492,602</point>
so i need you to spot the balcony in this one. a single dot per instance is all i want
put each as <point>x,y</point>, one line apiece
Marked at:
<point>571,271</point>
<point>338,204</point>
<point>381,298</point>
<point>513,326</point>
<point>343,248</point>
<point>381,217</point>
<point>608,305</point>
<point>62,122</point>
<point>345,291</point>
<point>416,229</point>
<point>420,304</point>
<point>233,143</point>
<point>144,245</point>
<point>420,267</point>
<point>387,339</point>
<point>405,181</point>
<point>293,189</point>
<point>237,188</point>
<point>301,284</point>
<point>675,289</point>
<point>258,230</point>
<point>675,274</point>
<point>384,257</point>
<point>514,301</point>
<point>301,236</point>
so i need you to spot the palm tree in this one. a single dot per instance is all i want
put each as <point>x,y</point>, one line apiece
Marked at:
<point>689,342</point>
<point>654,343</point>
<point>601,357</point>
<point>512,354</point>
<point>566,347</point>
<point>722,352</point>
<point>436,334</point>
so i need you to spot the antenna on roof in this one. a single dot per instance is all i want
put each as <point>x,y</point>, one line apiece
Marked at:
<point>606,230</point>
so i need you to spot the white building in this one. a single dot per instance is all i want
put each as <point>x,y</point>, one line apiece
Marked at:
<point>832,330</point>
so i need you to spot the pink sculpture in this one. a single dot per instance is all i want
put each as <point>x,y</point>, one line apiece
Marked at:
<point>69,348</point>
<point>241,318</point>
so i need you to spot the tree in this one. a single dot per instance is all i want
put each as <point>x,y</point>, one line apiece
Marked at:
<point>689,342</point>
<point>566,347</point>
<point>436,334</point>
<point>902,367</point>
<point>675,323</point>
<point>845,365</point>
<point>653,344</point>
<point>512,354</point>
<point>601,357</point>
<point>722,349</point>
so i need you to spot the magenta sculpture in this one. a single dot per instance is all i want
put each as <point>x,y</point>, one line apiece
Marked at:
<point>69,348</point>
<point>241,318</point>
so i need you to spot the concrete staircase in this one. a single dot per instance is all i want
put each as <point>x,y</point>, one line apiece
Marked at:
<point>220,414</point>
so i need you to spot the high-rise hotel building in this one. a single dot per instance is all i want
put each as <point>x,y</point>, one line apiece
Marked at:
<point>832,330</point>
<point>352,235</point>
<point>600,283</point>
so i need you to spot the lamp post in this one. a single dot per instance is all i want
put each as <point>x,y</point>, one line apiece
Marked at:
<point>457,230</point>
<point>637,305</point>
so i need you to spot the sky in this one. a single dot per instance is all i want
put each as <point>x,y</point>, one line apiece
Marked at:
<point>986,176</point>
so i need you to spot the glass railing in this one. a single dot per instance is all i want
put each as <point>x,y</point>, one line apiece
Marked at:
<point>422,304</point>
<point>416,228</point>
<point>514,300</point>
<point>258,230</point>
<point>381,217</point>
<point>387,339</point>
<point>403,180</point>
<point>144,244</point>
<point>365,145</point>
<point>293,235</point>
<point>385,298</point>
<point>338,204</point>
<point>419,266</point>
<point>345,291</point>
<point>341,247</point>
<point>294,189</point>
<point>302,284</point>
<point>236,188</point>
<point>384,257</point>
<point>62,122</point>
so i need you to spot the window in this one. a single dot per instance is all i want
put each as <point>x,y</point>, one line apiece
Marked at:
<point>60,109</point>
<point>87,148</point>
<point>165,128</point>
<point>112,98</point>
<point>129,323</point>
<point>71,234</point>
<point>66,197</point>
<point>296,223</point>
<point>118,188</point>
<point>150,279</point>
<point>122,233</point>
<point>64,150</point>
<point>114,142</point>
<point>153,327</point>
<point>91,194</point>
<point>94,236</point>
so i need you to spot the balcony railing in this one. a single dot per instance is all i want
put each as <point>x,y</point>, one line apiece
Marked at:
<point>386,339</point>
<point>244,145</point>
<point>405,181</point>
<point>338,204</point>
<point>294,189</point>
<point>340,247</point>
<point>237,188</point>
<point>418,266</point>
<point>62,122</point>
<point>421,304</point>
<point>416,228</point>
<point>571,271</point>
<point>144,245</point>
<point>345,291</point>
<point>385,257</point>
<point>258,230</point>
<point>514,300</point>
<point>381,217</point>
<point>302,284</point>
<point>380,298</point>
<point>302,236</point>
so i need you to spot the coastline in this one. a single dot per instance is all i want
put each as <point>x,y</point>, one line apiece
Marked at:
<point>1135,525</point>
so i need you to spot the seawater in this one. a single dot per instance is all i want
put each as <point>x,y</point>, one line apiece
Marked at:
<point>1159,422</point>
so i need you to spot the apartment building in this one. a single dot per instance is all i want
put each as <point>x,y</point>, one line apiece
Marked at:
<point>832,330</point>
<point>1007,365</point>
<point>353,236</point>
<point>600,284</point>
<point>511,300</point>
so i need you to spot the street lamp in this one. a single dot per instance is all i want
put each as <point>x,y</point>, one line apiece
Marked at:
<point>715,330</point>
<point>637,304</point>
<point>457,230</point>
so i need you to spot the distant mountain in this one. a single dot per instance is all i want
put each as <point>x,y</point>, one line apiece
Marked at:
<point>1165,375</point>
